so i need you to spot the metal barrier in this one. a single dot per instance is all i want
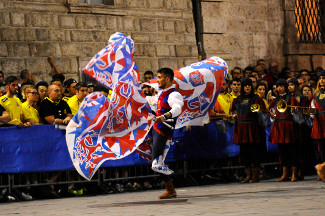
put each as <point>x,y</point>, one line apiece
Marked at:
<point>189,171</point>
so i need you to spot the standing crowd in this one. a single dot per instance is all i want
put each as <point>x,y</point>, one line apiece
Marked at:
<point>253,99</point>
<point>292,103</point>
<point>27,103</point>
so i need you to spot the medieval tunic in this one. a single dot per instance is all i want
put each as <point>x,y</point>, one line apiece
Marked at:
<point>318,102</point>
<point>283,129</point>
<point>247,129</point>
<point>168,100</point>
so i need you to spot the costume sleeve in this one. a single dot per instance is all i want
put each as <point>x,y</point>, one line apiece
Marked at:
<point>313,105</point>
<point>217,107</point>
<point>294,101</point>
<point>260,101</point>
<point>152,100</point>
<point>175,101</point>
<point>233,107</point>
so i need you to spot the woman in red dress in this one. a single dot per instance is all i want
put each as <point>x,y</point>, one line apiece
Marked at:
<point>283,131</point>
<point>248,134</point>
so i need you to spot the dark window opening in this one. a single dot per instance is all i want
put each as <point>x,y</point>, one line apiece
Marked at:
<point>308,21</point>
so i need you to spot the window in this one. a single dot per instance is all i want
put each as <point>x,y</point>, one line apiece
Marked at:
<point>308,23</point>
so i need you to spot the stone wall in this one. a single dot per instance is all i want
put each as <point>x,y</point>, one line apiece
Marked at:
<point>33,30</point>
<point>243,31</point>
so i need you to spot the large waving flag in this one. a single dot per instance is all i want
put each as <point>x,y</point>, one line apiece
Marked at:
<point>106,129</point>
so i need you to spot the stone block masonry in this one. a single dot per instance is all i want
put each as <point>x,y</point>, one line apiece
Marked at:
<point>31,31</point>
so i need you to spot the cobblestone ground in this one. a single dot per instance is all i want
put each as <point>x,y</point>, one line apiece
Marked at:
<point>264,198</point>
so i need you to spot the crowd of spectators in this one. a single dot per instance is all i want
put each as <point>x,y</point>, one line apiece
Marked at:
<point>297,88</point>
<point>25,102</point>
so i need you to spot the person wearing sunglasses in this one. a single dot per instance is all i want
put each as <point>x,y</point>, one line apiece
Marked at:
<point>30,113</point>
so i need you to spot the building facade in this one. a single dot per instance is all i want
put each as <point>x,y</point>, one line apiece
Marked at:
<point>167,33</point>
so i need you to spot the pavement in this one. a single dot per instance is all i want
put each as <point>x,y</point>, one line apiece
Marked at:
<point>264,198</point>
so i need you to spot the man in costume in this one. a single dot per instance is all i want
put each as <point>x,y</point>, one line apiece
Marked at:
<point>169,104</point>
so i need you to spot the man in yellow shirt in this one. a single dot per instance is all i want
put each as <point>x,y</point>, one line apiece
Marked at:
<point>224,98</point>
<point>75,101</point>
<point>30,113</point>
<point>235,87</point>
<point>12,104</point>
<point>70,87</point>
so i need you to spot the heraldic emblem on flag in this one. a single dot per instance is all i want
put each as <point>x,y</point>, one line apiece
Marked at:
<point>106,129</point>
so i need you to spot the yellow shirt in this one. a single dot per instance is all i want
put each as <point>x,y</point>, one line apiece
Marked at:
<point>13,107</point>
<point>225,100</point>
<point>30,112</point>
<point>74,104</point>
<point>66,98</point>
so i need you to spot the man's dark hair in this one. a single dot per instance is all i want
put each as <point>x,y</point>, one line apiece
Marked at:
<point>238,68</point>
<point>234,80</point>
<point>24,73</point>
<point>41,83</point>
<point>148,72</point>
<point>26,83</point>
<point>248,68</point>
<point>167,72</point>
<point>59,76</point>
<point>80,85</point>
<point>284,69</point>
<point>56,79</point>
<point>10,79</point>
<point>2,73</point>
<point>260,60</point>
<point>99,88</point>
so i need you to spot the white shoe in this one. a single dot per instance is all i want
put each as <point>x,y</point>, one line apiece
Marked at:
<point>162,169</point>
<point>11,198</point>
<point>26,196</point>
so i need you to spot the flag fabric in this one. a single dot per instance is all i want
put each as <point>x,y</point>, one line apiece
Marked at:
<point>106,129</point>
<point>199,84</point>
